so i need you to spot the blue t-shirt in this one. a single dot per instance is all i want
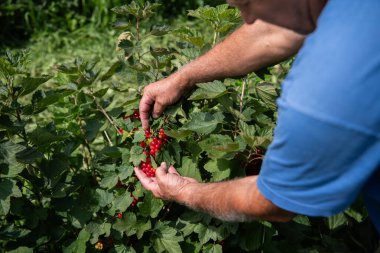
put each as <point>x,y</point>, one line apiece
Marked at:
<point>326,148</point>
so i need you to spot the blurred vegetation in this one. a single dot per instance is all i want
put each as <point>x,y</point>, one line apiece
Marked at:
<point>21,19</point>
<point>56,32</point>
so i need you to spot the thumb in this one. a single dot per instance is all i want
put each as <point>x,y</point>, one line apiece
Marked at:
<point>161,171</point>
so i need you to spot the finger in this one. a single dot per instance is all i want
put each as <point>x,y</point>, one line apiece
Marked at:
<point>172,170</point>
<point>158,109</point>
<point>161,171</point>
<point>145,107</point>
<point>144,179</point>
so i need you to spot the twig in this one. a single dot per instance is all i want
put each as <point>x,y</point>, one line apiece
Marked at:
<point>242,94</point>
<point>108,138</point>
<point>101,109</point>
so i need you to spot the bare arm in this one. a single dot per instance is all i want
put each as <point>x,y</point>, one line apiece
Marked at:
<point>249,48</point>
<point>235,200</point>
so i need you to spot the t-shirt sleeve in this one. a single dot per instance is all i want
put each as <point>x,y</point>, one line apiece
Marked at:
<point>298,15</point>
<point>314,167</point>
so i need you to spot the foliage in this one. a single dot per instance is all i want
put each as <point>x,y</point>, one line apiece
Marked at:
<point>69,143</point>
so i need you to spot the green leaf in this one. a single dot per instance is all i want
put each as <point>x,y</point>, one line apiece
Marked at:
<point>151,206</point>
<point>354,214</point>
<point>209,91</point>
<point>213,248</point>
<point>8,151</point>
<point>79,245</point>
<point>21,249</point>
<point>178,134</point>
<point>268,94</point>
<point>8,189</point>
<point>202,123</point>
<point>336,221</point>
<point>42,137</point>
<point>109,182</point>
<point>52,98</point>
<point>116,67</point>
<point>137,155</point>
<point>122,249</point>
<point>104,197</point>
<point>142,227</point>
<point>127,224</point>
<point>30,84</point>
<point>220,168</point>
<point>206,233</point>
<point>121,25</point>
<point>159,30</point>
<point>123,201</point>
<point>301,219</point>
<point>98,228</point>
<point>166,238</point>
<point>139,136</point>
<point>28,155</point>
<point>189,168</point>
<point>219,146</point>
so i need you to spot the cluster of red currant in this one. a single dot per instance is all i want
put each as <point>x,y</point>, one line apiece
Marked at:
<point>134,115</point>
<point>155,142</point>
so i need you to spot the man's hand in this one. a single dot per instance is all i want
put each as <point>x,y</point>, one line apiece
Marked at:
<point>167,184</point>
<point>158,95</point>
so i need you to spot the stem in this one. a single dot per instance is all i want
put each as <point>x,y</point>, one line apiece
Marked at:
<point>242,94</point>
<point>108,138</point>
<point>101,109</point>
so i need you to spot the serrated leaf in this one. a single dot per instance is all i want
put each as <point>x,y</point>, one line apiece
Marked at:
<point>189,168</point>
<point>220,168</point>
<point>28,155</point>
<point>178,134</point>
<point>8,188</point>
<point>301,219</point>
<point>127,224</point>
<point>42,136</point>
<point>151,206</point>
<point>336,221</point>
<point>121,25</point>
<point>8,151</point>
<point>116,67</point>
<point>166,238</point>
<point>137,155</point>
<point>142,227</point>
<point>104,197</point>
<point>79,245</point>
<point>209,91</point>
<point>97,228</point>
<point>53,97</point>
<point>203,123</point>
<point>159,30</point>
<point>206,233</point>
<point>123,201</point>
<point>213,248</point>
<point>109,181</point>
<point>122,249</point>
<point>21,249</point>
<point>268,94</point>
<point>219,146</point>
<point>139,136</point>
<point>30,84</point>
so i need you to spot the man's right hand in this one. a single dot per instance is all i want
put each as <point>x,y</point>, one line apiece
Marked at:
<point>158,95</point>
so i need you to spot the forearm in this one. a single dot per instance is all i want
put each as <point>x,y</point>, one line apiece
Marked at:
<point>236,200</point>
<point>249,48</point>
